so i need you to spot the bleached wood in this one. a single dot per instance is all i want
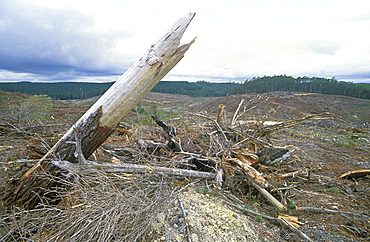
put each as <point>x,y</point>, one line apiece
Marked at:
<point>142,76</point>
<point>95,126</point>
<point>251,173</point>
<point>100,120</point>
<point>268,196</point>
<point>92,167</point>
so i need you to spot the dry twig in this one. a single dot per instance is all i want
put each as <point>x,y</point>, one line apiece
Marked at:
<point>187,225</point>
<point>325,210</point>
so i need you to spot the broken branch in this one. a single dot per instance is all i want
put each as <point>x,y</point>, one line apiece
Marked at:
<point>129,168</point>
<point>324,210</point>
<point>233,120</point>
<point>355,174</point>
<point>268,196</point>
<point>251,173</point>
<point>282,221</point>
<point>174,142</point>
<point>185,220</point>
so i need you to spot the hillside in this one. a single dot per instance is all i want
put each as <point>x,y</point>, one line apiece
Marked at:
<point>81,90</point>
<point>333,141</point>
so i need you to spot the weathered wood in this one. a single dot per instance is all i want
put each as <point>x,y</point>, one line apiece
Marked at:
<point>235,117</point>
<point>271,199</point>
<point>288,225</point>
<point>174,142</point>
<point>251,173</point>
<point>293,220</point>
<point>92,167</point>
<point>282,221</point>
<point>101,119</point>
<point>355,174</point>
<point>66,146</point>
<point>256,179</point>
<point>95,126</point>
<point>221,108</point>
<point>130,88</point>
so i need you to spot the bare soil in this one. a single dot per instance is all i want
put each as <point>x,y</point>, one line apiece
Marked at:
<point>326,148</point>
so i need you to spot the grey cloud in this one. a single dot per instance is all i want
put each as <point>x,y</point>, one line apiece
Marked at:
<point>46,41</point>
<point>363,77</point>
<point>325,47</point>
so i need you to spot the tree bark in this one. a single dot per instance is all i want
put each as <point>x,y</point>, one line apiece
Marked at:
<point>101,119</point>
<point>95,126</point>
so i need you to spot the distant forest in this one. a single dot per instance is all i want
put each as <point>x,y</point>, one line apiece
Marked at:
<point>302,84</point>
<point>82,90</point>
<point>195,89</point>
<point>58,90</point>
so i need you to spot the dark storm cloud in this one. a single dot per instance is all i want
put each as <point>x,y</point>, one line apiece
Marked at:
<point>47,41</point>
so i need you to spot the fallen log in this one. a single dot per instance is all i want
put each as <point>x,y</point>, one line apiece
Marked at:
<point>99,122</point>
<point>91,167</point>
<point>101,119</point>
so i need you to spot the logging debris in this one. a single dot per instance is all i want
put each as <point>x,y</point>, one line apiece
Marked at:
<point>206,148</point>
<point>355,174</point>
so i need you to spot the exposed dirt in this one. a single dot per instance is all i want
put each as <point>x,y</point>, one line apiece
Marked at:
<point>326,148</point>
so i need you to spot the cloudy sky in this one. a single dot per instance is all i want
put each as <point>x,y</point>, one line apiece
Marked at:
<point>78,40</point>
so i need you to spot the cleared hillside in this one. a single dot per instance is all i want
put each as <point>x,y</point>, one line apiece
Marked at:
<point>335,140</point>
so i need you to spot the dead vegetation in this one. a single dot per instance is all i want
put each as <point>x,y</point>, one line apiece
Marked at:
<point>272,161</point>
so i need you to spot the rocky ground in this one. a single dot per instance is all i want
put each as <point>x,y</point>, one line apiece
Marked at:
<point>326,146</point>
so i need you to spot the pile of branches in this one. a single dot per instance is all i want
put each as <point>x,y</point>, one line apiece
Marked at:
<point>98,207</point>
<point>118,200</point>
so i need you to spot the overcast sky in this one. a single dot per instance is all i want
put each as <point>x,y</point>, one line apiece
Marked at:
<point>78,40</point>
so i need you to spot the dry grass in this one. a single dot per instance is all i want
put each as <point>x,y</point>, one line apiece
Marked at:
<point>99,207</point>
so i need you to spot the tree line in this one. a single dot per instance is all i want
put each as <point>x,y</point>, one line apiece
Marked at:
<point>302,84</point>
<point>194,89</point>
<point>57,90</point>
<point>82,90</point>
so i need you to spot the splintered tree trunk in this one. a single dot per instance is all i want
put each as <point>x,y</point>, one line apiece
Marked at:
<point>101,119</point>
<point>95,126</point>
